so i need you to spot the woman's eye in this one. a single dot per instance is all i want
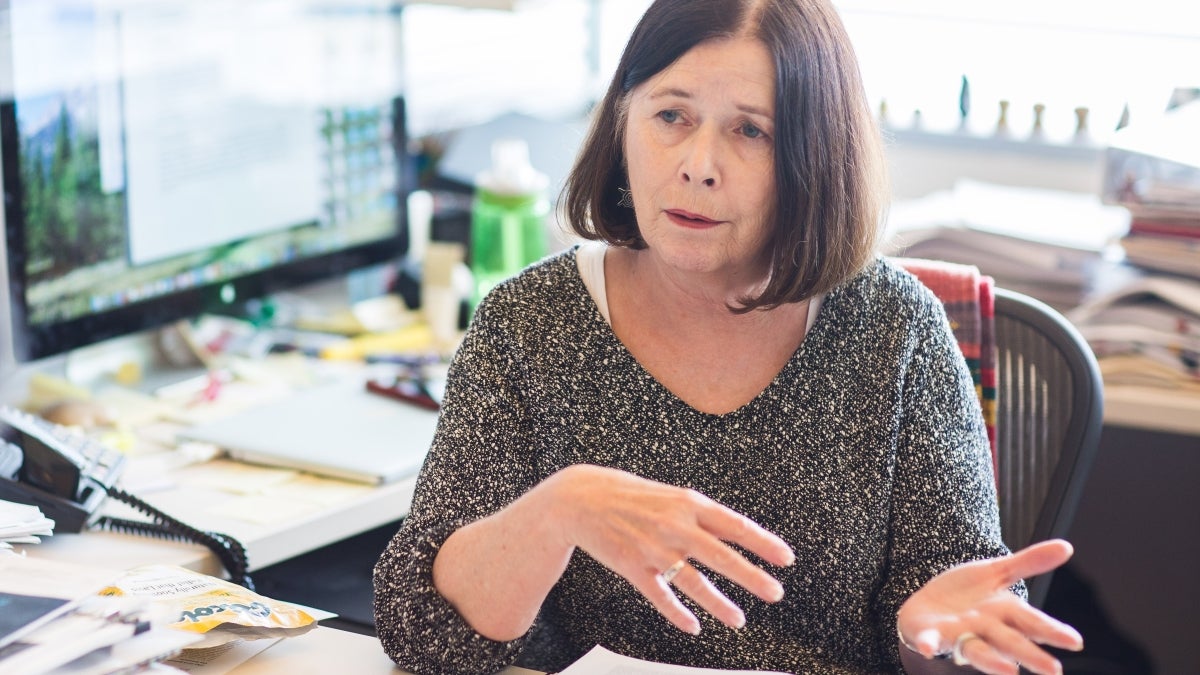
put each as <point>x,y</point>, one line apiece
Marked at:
<point>669,116</point>
<point>751,131</point>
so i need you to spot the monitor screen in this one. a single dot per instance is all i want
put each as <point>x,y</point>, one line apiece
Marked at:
<point>164,158</point>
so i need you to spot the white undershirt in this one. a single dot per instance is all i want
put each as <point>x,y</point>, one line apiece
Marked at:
<point>590,258</point>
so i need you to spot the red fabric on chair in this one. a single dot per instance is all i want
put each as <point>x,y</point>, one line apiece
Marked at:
<point>970,306</point>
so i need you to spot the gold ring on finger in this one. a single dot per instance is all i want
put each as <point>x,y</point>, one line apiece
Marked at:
<point>957,653</point>
<point>669,573</point>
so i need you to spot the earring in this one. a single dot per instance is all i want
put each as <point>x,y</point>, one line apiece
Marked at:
<point>626,199</point>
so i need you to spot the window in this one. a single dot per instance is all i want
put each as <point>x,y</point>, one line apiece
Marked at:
<point>467,66</point>
<point>1063,54</point>
<point>554,58</point>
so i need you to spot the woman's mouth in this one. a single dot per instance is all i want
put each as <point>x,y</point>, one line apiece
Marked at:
<point>689,219</point>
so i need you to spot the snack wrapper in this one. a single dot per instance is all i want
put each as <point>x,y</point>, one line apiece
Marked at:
<point>221,610</point>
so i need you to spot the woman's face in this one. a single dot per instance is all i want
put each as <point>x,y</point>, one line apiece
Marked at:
<point>699,145</point>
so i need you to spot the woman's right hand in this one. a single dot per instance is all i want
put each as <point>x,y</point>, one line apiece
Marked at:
<point>638,528</point>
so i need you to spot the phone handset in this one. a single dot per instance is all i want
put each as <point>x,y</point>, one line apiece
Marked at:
<point>65,474</point>
<point>68,476</point>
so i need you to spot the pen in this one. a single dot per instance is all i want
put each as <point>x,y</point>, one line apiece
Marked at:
<point>405,389</point>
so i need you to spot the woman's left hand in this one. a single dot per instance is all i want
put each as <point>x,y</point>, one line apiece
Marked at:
<point>994,629</point>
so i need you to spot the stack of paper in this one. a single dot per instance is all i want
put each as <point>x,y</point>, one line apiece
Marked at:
<point>22,524</point>
<point>1146,333</point>
<point>1049,244</point>
<point>1154,171</point>
<point>52,621</point>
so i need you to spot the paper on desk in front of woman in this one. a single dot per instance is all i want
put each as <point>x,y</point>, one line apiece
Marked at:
<point>600,661</point>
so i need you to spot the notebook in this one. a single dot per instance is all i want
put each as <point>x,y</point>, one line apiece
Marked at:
<point>338,430</point>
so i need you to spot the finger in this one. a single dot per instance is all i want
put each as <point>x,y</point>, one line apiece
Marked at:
<point>698,587</point>
<point>1032,561</point>
<point>659,593</point>
<point>727,562</point>
<point>978,654</point>
<point>928,642</point>
<point>1043,628</point>
<point>1016,647</point>
<point>731,526</point>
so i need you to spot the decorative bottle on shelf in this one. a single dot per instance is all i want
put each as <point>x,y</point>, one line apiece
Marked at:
<point>508,217</point>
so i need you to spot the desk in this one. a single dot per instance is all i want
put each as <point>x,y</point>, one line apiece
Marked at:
<point>265,544</point>
<point>326,650</point>
<point>187,494</point>
<point>1152,409</point>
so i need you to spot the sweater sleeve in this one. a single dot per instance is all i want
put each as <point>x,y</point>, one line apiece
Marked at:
<point>479,463</point>
<point>944,509</point>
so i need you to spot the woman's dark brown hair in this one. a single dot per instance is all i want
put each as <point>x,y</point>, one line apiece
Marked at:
<point>829,176</point>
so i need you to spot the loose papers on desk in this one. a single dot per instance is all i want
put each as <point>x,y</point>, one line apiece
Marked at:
<point>1047,243</point>
<point>53,622</point>
<point>22,524</point>
<point>62,618</point>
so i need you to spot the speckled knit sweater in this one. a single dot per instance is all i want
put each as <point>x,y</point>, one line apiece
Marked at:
<point>867,454</point>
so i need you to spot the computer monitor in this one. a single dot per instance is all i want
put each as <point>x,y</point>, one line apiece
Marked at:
<point>163,159</point>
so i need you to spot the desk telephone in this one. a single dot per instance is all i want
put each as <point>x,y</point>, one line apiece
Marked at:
<point>68,476</point>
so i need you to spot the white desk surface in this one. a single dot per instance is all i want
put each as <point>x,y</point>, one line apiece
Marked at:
<point>326,650</point>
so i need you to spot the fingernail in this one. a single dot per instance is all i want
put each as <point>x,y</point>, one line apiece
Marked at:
<point>695,629</point>
<point>789,559</point>
<point>740,622</point>
<point>777,593</point>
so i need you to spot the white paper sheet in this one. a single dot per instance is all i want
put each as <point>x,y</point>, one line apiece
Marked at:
<point>600,661</point>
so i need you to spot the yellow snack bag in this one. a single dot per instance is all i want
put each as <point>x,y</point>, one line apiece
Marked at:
<point>199,603</point>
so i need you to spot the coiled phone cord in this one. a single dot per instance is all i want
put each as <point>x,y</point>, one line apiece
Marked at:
<point>228,550</point>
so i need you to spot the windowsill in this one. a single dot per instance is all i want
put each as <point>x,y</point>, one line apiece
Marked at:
<point>1087,151</point>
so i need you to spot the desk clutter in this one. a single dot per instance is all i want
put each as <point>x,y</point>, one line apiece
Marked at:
<point>211,625</point>
<point>159,469</point>
<point>64,619</point>
<point>1056,246</point>
<point>1147,331</point>
<point>1153,171</point>
<point>1122,264</point>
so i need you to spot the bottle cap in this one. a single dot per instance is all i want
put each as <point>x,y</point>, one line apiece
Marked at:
<point>511,173</point>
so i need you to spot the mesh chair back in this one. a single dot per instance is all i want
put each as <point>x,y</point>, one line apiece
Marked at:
<point>1049,409</point>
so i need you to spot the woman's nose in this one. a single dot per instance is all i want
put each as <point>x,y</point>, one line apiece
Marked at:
<point>700,163</point>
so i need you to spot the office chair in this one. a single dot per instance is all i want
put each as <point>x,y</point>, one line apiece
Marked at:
<point>1048,419</point>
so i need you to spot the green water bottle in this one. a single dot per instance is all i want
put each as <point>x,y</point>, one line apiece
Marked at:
<point>508,217</point>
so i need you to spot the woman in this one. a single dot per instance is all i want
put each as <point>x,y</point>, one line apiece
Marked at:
<point>725,414</point>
